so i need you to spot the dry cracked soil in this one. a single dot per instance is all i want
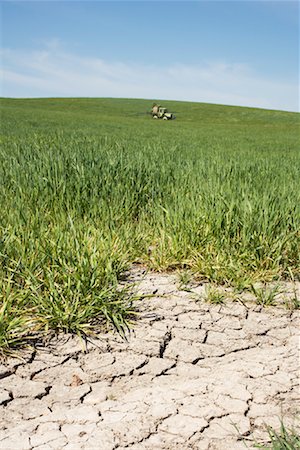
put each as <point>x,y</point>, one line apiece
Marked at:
<point>191,375</point>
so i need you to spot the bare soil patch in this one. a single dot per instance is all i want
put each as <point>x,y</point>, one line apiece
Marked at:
<point>190,376</point>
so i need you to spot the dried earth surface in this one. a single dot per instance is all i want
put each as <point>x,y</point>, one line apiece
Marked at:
<point>191,375</point>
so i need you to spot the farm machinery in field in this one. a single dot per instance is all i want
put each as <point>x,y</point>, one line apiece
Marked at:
<point>158,112</point>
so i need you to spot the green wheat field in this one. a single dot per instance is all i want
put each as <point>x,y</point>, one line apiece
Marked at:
<point>90,186</point>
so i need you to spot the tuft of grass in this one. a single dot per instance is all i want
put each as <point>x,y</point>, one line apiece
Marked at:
<point>265,296</point>
<point>284,439</point>
<point>184,277</point>
<point>15,323</point>
<point>293,303</point>
<point>214,295</point>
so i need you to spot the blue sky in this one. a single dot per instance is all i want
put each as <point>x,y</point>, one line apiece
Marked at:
<point>228,52</point>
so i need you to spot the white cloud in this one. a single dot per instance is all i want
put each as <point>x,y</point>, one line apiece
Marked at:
<point>54,72</point>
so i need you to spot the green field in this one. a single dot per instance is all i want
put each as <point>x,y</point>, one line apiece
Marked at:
<point>89,186</point>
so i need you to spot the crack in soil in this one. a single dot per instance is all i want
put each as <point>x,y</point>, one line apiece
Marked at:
<point>11,398</point>
<point>43,394</point>
<point>163,345</point>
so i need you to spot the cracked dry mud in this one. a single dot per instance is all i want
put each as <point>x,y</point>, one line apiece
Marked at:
<point>190,376</point>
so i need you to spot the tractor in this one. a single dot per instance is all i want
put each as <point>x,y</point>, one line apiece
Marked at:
<point>158,112</point>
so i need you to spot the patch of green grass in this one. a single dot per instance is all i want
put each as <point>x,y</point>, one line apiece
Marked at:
<point>241,284</point>
<point>214,295</point>
<point>265,295</point>
<point>88,186</point>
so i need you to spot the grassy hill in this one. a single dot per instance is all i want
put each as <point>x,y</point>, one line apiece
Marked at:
<point>89,186</point>
<point>97,115</point>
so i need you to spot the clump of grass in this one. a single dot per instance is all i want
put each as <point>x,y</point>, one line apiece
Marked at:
<point>265,296</point>
<point>15,321</point>
<point>284,439</point>
<point>68,284</point>
<point>185,277</point>
<point>56,310</point>
<point>61,308</point>
<point>293,303</point>
<point>13,329</point>
<point>214,295</point>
